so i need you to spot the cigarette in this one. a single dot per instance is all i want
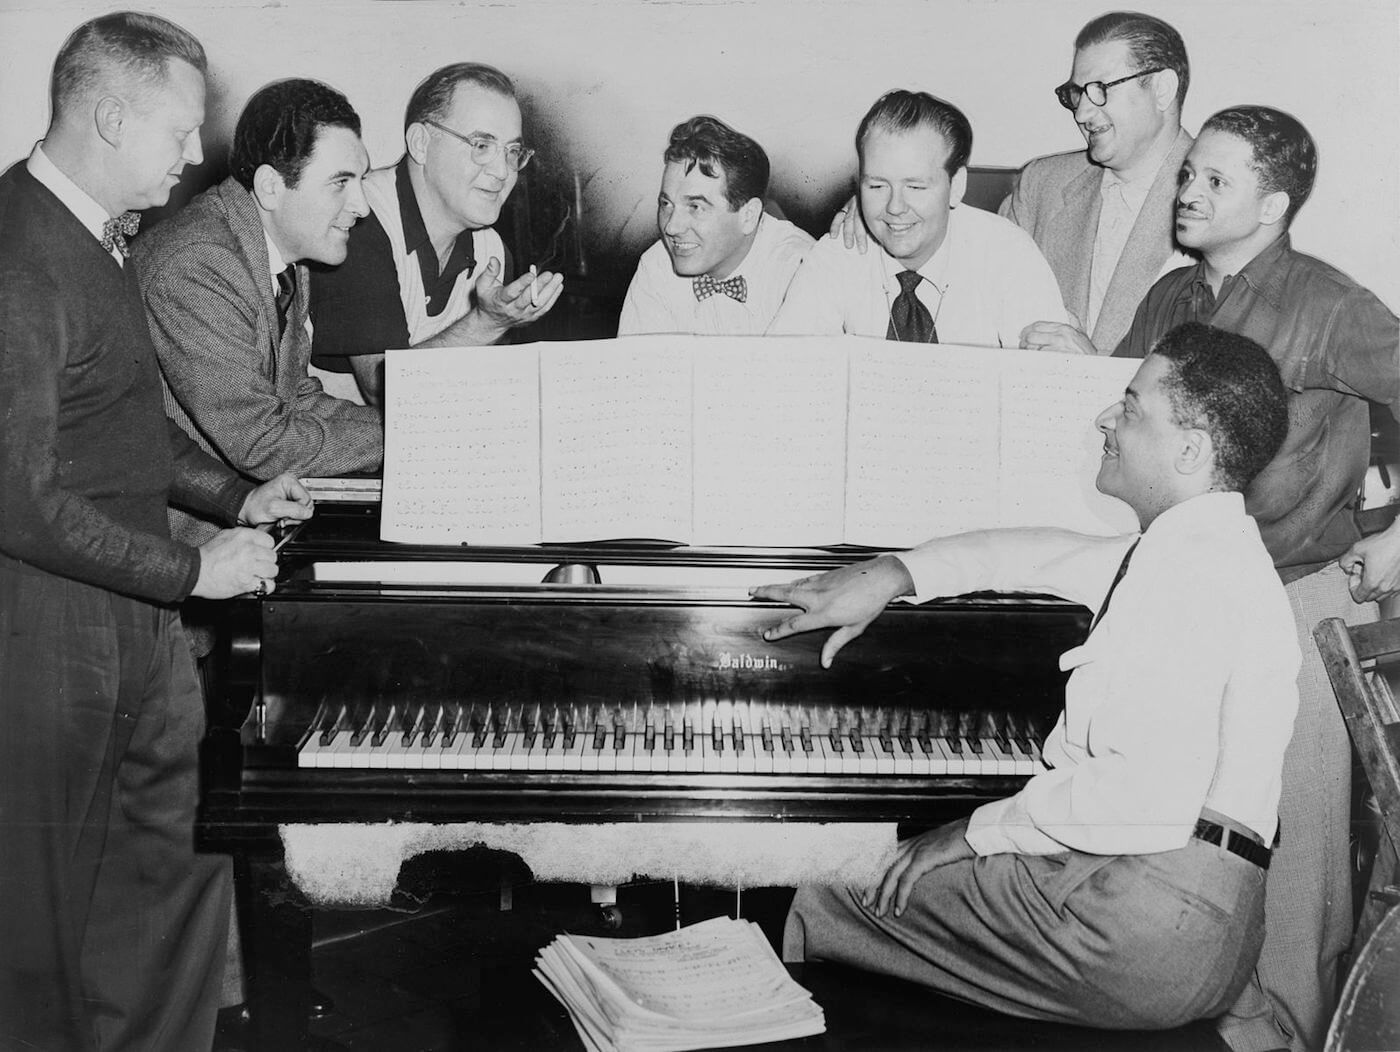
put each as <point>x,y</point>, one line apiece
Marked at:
<point>534,286</point>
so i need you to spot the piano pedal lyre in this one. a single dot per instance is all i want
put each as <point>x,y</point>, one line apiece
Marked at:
<point>604,896</point>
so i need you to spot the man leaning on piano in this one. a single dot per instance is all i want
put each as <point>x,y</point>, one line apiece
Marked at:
<point>1123,887</point>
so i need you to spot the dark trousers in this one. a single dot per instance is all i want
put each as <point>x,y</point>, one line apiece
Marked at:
<point>112,928</point>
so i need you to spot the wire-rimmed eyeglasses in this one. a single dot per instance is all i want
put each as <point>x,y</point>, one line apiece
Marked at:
<point>484,148</point>
<point>1069,93</point>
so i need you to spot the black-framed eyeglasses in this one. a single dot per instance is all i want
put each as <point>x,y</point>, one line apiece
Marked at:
<point>1069,93</point>
<point>484,148</point>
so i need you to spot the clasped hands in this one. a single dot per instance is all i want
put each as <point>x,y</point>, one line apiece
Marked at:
<point>243,559</point>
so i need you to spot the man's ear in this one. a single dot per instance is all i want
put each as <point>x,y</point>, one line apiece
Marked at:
<point>1165,83</point>
<point>415,139</point>
<point>959,187</point>
<point>1196,453</point>
<point>268,187</point>
<point>109,116</point>
<point>1274,207</point>
<point>749,214</point>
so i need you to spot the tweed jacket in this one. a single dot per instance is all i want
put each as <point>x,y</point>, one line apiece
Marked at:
<point>88,459</point>
<point>241,392</point>
<point>1056,199</point>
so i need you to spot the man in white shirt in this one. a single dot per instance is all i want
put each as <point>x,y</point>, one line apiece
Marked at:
<point>722,265</point>
<point>943,273</point>
<point>1124,886</point>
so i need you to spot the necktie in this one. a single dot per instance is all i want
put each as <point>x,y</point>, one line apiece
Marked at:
<point>1122,569</point>
<point>736,288</point>
<point>115,232</point>
<point>910,320</point>
<point>286,291</point>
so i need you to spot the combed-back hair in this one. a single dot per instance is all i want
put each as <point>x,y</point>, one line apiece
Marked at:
<point>1228,386</point>
<point>1285,156</point>
<point>279,126</point>
<point>433,97</point>
<point>124,51</point>
<point>902,111</point>
<point>1151,42</point>
<point>715,148</point>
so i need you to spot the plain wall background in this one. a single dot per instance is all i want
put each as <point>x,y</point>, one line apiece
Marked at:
<point>603,81</point>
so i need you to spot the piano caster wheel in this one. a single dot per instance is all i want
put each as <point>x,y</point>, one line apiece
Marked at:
<point>611,916</point>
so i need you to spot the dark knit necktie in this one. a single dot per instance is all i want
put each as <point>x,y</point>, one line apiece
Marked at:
<point>910,321</point>
<point>286,292</point>
<point>736,288</point>
<point>115,231</point>
<point>1122,569</point>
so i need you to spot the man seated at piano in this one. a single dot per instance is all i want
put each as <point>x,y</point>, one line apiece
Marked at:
<point>722,264</point>
<point>426,268</point>
<point>1123,887</point>
<point>943,272</point>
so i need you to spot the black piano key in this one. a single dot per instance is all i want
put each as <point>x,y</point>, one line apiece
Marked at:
<point>717,736</point>
<point>767,737</point>
<point>857,742</point>
<point>649,739</point>
<point>805,737</point>
<point>955,743</point>
<point>600,737</point>
<point>834,737</point>
<point>976,745</point>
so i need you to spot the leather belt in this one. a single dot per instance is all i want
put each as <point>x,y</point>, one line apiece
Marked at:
<point>1233,842</point>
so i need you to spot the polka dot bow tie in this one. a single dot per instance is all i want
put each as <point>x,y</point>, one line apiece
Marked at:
<point>735,288</point>
<point>116,231</point>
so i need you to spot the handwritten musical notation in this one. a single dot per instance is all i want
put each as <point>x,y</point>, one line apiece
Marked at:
<point>794,441</point>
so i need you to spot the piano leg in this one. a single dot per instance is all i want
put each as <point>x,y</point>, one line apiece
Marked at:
<point>276,931</point>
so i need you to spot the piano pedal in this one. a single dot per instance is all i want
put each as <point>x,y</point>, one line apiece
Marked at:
<point>507,900</point>
<point>604,896</point>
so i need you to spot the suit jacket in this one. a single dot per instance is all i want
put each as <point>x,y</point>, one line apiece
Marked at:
<point>231,383</point>
<point>1056,199</point>
<point>88,458</point>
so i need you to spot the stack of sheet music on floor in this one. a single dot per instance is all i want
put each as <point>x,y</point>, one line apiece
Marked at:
<point>713,984</point>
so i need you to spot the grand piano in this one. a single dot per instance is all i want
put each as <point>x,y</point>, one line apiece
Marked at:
<point>605,683</point>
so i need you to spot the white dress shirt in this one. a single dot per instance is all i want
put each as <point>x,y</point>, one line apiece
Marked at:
<point>1182,697</point>
<point>986,282</point>
<point>660,300</point>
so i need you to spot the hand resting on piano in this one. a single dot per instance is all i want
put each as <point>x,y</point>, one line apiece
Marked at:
<point>847,599</point>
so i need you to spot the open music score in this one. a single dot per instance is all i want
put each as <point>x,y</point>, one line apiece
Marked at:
<point>701,737</point>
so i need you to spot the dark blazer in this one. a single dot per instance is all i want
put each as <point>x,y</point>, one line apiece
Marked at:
<point>230,382</point>
<point>1056,199</point>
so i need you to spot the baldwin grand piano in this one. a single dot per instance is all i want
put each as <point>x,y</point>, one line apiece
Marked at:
<point>601,684</point>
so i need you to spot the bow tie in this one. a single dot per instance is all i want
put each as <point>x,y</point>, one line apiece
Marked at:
<point>116,231</point>
<point>736,288</point>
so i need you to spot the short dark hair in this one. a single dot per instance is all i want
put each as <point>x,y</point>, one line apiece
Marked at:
<point>1152,43</point>
<point>1285,156</point>
<point>715,148</point>
<point>900,111</point>
<point>125,45</point>
<point>433,97</point>
<point>280,124</point>
<point>1227,385</point>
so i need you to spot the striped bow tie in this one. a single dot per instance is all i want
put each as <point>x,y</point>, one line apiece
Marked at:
<point>736,288</point>
<point>116,231</point>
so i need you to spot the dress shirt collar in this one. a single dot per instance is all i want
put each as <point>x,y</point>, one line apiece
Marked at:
<point>1134,191</point>
<point>415,231</point>
<point>1263,274</point>
<point>275,263</point>
<point>1209,510</point>
<point>935,268</point>
<point>73,197</point>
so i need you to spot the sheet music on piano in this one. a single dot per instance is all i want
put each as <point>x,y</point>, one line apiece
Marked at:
<point>742,441</point>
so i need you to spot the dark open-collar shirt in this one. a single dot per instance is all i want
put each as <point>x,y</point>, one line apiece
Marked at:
<point>1337,348</point>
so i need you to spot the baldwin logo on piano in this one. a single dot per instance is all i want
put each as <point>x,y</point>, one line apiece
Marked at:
<point>750,663</point>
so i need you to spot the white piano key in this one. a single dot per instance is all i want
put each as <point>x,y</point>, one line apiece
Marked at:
<point>884,754</point>
<point>1005,762</point>
<point>867,760</point>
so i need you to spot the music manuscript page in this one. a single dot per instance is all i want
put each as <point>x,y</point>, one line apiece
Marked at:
<point>788,442</point>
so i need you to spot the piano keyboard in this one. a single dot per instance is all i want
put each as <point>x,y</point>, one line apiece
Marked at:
<point>715,737</point>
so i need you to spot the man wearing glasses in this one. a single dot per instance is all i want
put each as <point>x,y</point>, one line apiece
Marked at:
<point>426,269</point>
<point>1103,216</point>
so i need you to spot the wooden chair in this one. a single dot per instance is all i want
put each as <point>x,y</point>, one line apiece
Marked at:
<point>1363,663</point>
